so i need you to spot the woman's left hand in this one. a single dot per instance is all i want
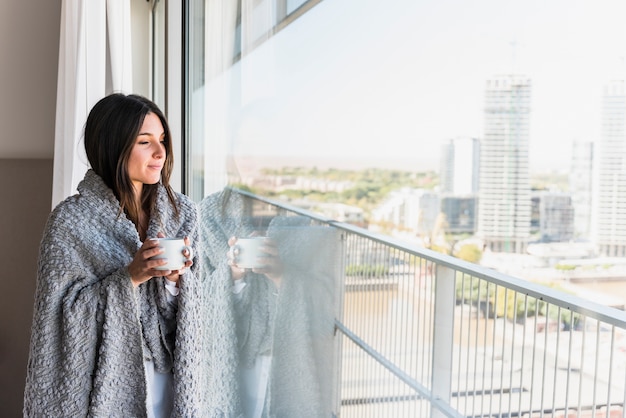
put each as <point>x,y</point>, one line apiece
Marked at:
<point>174,276</point>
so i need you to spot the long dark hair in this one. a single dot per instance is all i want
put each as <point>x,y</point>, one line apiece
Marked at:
<point>110,134</point>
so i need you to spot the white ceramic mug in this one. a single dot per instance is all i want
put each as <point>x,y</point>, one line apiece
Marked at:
<point>249,253</point>
<point>173,252</point>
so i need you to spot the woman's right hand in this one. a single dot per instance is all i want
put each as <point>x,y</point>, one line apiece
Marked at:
<point>143,267</point>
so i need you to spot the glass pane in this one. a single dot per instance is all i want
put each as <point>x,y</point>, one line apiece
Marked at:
<point>358,84</point>
<point>275,310</point>
<point>492,131</point>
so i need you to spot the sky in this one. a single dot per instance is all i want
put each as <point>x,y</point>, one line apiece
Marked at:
<point>371,79</point>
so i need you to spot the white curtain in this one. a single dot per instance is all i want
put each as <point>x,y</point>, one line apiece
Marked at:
<point>82,77</point>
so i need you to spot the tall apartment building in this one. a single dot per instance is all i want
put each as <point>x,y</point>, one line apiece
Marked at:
<point>459,168</point>
<point>504,205</point>
<point>609,194</point>
<point>459,183</point>
<point>409,209</point>
<point>580,182</point>
<point>555,215</point>
<point>460,213</point>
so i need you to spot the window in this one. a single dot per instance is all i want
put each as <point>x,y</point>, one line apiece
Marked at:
<point>233,72</point>
<point>301,94</point>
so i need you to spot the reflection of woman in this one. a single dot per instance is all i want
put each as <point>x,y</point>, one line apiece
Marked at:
<point>111,334</point>
<point>276,361</point>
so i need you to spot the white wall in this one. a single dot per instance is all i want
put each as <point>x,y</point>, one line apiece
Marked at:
<point>29,38</point>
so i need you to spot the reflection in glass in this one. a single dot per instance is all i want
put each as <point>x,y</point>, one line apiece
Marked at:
<point>272,351</point>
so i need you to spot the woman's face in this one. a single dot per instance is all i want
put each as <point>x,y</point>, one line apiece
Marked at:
<point>148,154</point>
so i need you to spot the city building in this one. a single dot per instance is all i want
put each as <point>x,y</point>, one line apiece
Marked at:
<point>338,211</point>
<point>413,210</point>
<point>504,200</point>
<point>459,169</point>
<point>459,183</point>
<point>580,181</point>
<point>460,213</point>
<point>609,194</point>
<point>555,216</point>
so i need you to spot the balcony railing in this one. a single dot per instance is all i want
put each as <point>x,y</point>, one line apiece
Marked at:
<point>421,334</point>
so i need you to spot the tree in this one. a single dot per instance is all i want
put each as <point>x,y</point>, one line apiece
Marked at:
<point>469,252</point>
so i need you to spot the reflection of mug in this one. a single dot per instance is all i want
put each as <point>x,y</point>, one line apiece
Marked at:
<point>249,252</point>
<point>173,251</point>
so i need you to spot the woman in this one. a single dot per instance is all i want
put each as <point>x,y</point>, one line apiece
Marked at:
<point>111,334</point>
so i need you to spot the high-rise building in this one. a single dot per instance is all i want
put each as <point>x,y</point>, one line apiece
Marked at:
<point>460,213</point>
<point>556,216</point>
<point>459,183</point>
<point>580,181</point>
<point>504,204</point>
<point>609,194</point>
<point>414,210</point>
<point>459,170</point>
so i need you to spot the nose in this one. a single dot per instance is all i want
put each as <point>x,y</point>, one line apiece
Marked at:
<point>160,151</point>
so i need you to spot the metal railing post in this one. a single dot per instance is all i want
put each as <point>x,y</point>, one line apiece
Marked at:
<point>340,289</point>
<point>443,338</point>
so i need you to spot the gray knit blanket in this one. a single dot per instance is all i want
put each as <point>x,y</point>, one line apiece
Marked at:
<point>92,330</point>
<point>293,323</point>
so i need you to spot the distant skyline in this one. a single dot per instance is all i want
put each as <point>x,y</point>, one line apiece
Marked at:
<point>356,79</point>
